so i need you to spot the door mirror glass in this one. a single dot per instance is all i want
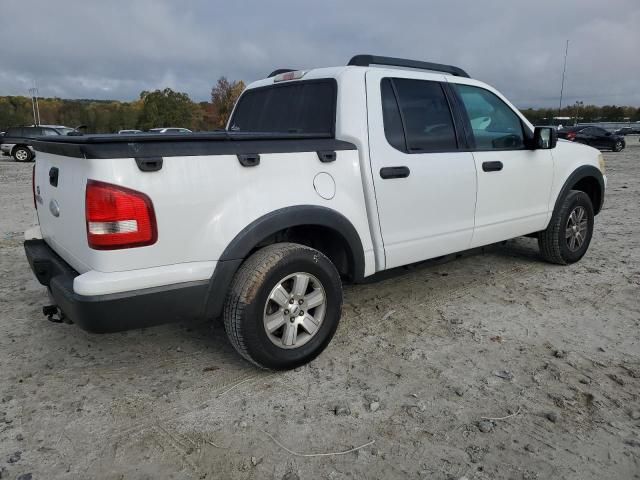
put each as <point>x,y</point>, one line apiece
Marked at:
<point>544,138</point>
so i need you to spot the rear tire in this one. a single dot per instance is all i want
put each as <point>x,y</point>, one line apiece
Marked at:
<point>283,306</point>
<point>618,147</point>
<point>569,233</point>
<point>22,154</point>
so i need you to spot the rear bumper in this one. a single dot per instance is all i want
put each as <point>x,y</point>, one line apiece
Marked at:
<point>117,311</point>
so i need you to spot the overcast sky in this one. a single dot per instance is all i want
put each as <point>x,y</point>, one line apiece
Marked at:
<point>114,49</point>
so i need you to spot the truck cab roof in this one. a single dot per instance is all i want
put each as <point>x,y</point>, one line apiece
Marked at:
<point>364,62</point>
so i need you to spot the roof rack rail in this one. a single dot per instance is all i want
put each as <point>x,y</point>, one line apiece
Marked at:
<point>366,60</point>
<point>279,71</point>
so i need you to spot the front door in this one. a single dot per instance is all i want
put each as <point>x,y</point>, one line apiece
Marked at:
<point>425,186</point>
<point>514,183</point>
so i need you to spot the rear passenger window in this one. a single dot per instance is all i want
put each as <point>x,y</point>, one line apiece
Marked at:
<point>391,117</point>
<point>32,131</point>
<point>424,113</point>
<point>297,107</point>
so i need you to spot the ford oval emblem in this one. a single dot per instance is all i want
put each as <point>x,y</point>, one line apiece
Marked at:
<point>54,208</point>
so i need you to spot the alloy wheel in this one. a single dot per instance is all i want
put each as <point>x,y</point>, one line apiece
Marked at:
<point>576,228</point>
<point>294,310</point>
<point>21,155</point>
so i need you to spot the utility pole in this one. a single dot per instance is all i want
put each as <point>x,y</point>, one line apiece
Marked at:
<point>33,91</point>
<point>564,70</point>
<point>37,105</point>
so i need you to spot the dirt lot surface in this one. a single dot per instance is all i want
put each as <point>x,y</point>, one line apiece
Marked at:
<point>551,353</point>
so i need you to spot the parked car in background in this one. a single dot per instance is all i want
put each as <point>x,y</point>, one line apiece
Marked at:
<point>593,136</point>
<point>169,130</point>
<point>628,131</point>
<point>129,132</point>
<point>16,141</point>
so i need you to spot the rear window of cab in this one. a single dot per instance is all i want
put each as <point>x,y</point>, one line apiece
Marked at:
<point>293,107</point>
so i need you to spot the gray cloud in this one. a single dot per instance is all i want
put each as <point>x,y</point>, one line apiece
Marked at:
<point>115,49</point>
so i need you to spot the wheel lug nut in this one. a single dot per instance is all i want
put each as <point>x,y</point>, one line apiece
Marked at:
<point>286,312</point>
<point>300,302</point>
<point>292,319</point>
<point>301,313</point>
<point>291,301</point>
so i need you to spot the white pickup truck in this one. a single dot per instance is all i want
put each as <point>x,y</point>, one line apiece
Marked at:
<point>323,176</point>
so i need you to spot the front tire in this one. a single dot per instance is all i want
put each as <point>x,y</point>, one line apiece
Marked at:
<point>283,306</point>
<point>22,154</point>
<point>569,233</point>
<point>618,147</point>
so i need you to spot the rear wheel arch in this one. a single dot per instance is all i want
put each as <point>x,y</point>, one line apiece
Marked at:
<point>324,229</point>
<point>318,227</point>
<point>19,146</point>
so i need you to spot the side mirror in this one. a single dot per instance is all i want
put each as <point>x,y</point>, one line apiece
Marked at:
<point>544,138</point>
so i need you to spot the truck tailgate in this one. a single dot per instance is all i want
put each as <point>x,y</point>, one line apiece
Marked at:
<point>59,184</point>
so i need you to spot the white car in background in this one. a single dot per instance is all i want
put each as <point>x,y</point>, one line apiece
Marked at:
<point>169,130</point>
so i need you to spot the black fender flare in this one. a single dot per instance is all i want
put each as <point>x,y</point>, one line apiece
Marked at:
<point>577,175</point>
<point>262,228</point>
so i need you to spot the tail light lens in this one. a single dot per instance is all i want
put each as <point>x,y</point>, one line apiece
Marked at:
<point>118,217</point>
<point>571,136</point>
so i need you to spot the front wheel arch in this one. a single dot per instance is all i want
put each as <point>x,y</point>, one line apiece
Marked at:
<point>587,179</point>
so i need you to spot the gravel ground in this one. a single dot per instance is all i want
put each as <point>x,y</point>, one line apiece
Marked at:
<point>550,353</point>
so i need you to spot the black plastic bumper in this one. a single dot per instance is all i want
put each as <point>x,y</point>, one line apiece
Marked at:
<point>118,311</point>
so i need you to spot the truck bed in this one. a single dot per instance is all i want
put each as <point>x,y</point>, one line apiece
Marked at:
<point>203,193</point>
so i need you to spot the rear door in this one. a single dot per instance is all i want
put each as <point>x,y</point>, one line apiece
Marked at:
<point>514,183</point>
<point>425,186</point>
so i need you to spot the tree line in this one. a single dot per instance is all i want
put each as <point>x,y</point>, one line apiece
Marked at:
<point>159,108</point>
<point>168,108</point>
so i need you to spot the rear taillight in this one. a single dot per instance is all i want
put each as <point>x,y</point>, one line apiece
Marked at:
<point>571,136</point>
<point>33,186</point>
<point>118,217</point>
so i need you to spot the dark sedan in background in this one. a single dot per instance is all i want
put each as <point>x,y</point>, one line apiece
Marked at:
<point>628,131</point>
<point>593,136</point>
